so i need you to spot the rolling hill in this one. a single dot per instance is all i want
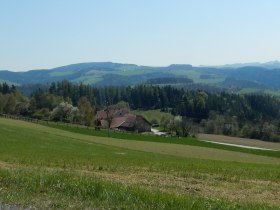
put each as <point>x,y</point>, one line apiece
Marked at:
<point>108,73</point>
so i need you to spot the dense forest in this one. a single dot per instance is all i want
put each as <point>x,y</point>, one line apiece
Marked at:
<point>252,115</point>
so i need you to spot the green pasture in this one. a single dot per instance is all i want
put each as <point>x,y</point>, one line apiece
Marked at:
<point>133,72</point>
<point>61,73</point>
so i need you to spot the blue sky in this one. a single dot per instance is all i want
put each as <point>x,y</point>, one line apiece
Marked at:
<point>38,34</point>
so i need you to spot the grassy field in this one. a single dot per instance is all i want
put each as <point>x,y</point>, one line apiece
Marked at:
<point>167,140</point>
<point>47,168</point>
<point>195,76</point>
<point>61,73</point>
<point>133,72</point>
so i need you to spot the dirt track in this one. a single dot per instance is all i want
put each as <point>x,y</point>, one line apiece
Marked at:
<point>13,207</point>
<point>240,141</point>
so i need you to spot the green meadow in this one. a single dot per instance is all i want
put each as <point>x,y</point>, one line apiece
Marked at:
<point>62,167</point>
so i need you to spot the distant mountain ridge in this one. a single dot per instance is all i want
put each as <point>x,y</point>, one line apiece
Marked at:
<point>108,73</point>
<point>270,65</point>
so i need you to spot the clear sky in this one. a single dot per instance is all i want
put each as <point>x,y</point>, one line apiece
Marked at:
<point>38,34</point>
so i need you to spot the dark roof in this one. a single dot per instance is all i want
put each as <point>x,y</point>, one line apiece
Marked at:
<point>144,119</point>
<point>121,118</point>
<point>127,121</point>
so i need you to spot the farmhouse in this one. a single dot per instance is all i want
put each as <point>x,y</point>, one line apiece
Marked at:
<point>121,119</point>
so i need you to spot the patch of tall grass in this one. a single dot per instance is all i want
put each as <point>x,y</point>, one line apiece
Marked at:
<point>58,190</point>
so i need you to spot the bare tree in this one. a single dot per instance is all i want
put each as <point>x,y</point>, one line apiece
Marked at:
<point>109,119</point>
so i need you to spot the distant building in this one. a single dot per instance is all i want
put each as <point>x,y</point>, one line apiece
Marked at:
<point>121,119</point>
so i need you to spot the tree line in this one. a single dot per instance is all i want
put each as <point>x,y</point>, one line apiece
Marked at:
<point>250,115</point>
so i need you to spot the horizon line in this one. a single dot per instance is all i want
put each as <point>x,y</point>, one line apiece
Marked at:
<point>140,65</point>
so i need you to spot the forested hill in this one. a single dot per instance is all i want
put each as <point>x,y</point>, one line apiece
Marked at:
<point>116,74</point>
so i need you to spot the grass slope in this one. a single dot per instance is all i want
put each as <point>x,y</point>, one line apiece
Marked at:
<point>172,140</point>
<point>51,168</point>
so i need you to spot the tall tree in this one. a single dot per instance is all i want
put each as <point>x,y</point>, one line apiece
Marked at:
<point>87,112</point>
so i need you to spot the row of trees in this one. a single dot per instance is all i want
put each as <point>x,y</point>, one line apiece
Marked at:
<point>43,105</point>
<point>5,88</point>
<point>194,104</point>
<point>48,106</point>
<point>178,125</point>
<point>11,101</point>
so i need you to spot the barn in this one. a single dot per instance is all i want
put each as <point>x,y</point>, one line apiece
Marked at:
<point>121,119</point>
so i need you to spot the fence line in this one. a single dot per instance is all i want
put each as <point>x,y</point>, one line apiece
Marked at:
<point>43,121</point>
